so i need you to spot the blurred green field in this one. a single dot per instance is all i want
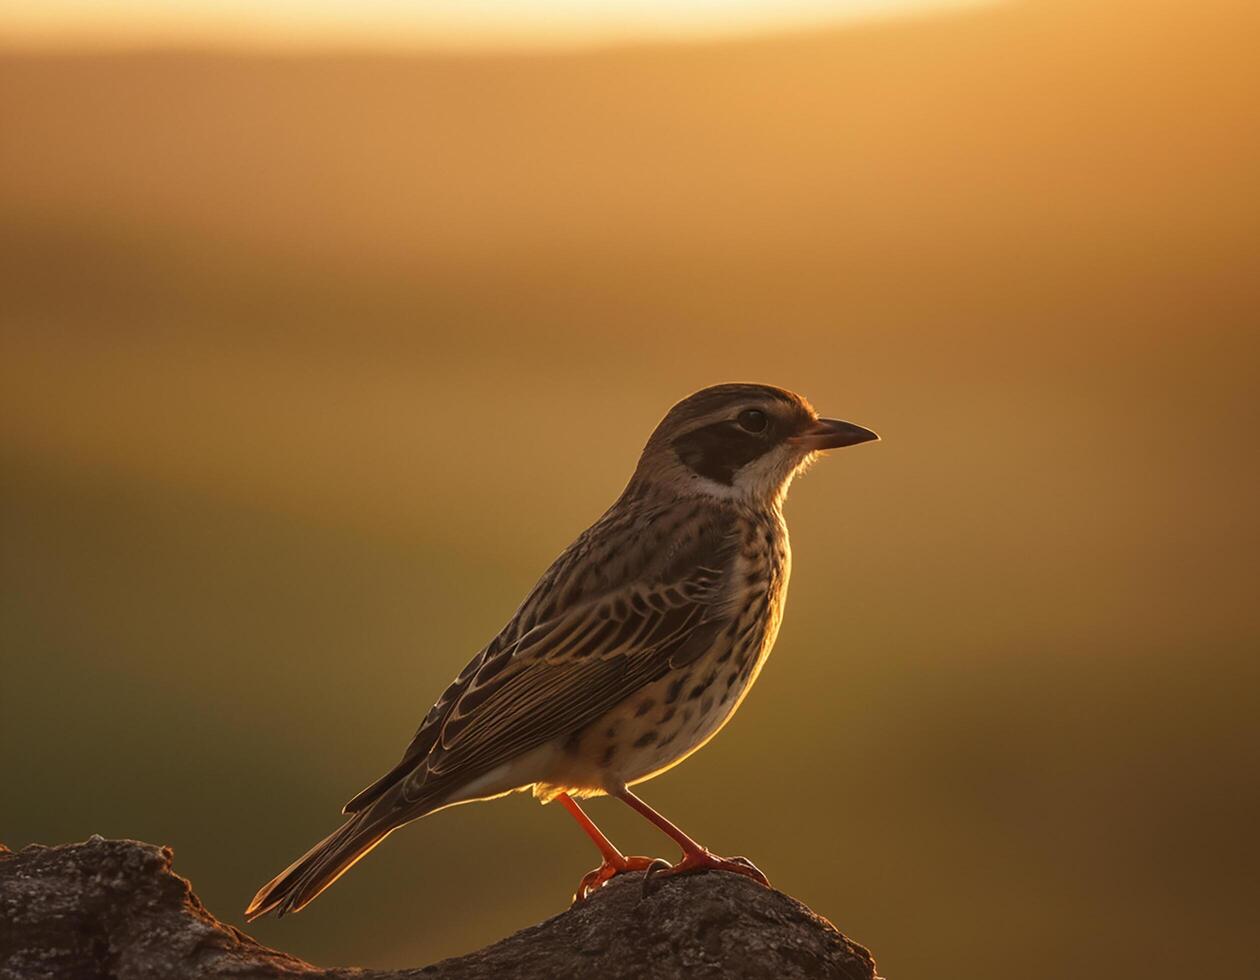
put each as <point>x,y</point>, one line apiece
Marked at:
<point>310,364</point>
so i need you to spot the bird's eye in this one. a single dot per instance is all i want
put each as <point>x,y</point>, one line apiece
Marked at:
<point>752,420</point>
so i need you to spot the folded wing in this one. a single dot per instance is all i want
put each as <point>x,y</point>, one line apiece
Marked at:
<point>542,680</point>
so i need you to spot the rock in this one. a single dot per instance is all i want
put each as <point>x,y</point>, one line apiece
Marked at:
<point>114,910</point>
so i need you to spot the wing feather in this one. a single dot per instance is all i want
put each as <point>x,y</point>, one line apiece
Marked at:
<point>577,665</point>
<point>590,634</point>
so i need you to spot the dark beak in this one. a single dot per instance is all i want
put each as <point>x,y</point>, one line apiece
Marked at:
<point>832,434</point>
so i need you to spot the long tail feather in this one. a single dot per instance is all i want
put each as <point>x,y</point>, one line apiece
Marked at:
<point>298,884</point>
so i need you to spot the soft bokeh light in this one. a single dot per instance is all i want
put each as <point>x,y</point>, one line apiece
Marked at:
<point>432,23</point>
<point>310,362</point>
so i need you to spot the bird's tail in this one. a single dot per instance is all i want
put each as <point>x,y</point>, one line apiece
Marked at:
<point>298,884</point>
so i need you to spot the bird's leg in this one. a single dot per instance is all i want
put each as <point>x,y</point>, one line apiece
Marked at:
<point>695,857</point>
<point>614,863</point>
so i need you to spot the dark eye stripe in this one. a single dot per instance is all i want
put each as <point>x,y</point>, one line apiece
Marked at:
<point>718,450</point>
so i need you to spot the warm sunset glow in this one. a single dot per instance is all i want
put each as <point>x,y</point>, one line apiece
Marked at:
<point>325,325</point>
<point>432,24</point>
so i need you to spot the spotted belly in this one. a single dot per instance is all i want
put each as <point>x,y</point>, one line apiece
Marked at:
<point>667,719</point>
<point>672,718</point>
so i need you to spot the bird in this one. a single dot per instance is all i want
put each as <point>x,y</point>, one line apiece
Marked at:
<point>633,650</point>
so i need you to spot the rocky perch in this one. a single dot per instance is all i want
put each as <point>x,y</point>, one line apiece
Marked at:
<point>114,910</point>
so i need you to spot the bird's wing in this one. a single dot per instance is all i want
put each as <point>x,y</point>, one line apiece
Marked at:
<point>579,667</point>
<point>546,677</point>
<point>426,735</point>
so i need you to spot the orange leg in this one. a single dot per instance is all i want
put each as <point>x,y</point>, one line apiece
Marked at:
<point>614,863</point>
<point>695,856</point>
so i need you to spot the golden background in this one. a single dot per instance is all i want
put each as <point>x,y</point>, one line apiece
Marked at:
<point>312,361</point>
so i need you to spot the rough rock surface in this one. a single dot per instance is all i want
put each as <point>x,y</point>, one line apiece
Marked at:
<point>114,910</point>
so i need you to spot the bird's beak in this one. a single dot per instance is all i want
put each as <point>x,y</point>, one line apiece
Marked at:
<point>832,434</point>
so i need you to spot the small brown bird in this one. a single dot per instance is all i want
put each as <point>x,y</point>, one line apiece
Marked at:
<point>633,650</point>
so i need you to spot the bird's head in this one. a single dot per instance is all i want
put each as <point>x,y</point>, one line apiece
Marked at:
<point>741,441</point>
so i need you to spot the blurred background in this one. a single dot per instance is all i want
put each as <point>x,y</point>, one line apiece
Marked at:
<point>324,331</point>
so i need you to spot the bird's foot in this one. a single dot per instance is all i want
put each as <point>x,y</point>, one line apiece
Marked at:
<point>611,867</point>
<point>702,860</point>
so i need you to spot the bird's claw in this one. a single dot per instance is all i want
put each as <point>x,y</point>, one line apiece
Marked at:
<point>651,871</point>
<point>702,861</point>
<point>750,869</point>
<point>596,879</point>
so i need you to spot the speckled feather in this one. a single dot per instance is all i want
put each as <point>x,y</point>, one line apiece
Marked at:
<point>651,591</point>
<point>633,649</point>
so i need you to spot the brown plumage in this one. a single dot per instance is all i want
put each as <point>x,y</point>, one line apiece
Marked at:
<point>633,649</point>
